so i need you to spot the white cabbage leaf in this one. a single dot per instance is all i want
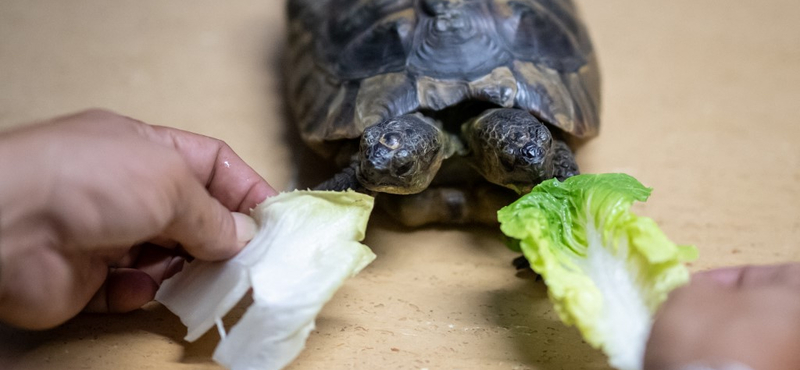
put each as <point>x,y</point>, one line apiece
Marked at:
<point>306,247</point>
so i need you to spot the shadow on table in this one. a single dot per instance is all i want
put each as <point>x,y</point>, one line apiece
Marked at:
<point>538,336</point>
<point>97,330</point>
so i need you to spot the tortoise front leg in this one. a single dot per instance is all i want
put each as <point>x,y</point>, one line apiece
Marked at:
<point>564,164</point>
<point>346,179</point>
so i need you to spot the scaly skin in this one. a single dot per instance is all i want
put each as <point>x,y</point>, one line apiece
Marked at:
<point>512,148</point>
<point>401,155</point>
<point>508,147</point>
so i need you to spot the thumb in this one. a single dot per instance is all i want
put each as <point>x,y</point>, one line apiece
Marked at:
<point>787,274</point>
<point>205,228</point>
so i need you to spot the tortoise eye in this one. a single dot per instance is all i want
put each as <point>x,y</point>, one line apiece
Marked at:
<point>518,136</point>
<point>532,153</point>
<point>404,169</point>
<point>391,140</point>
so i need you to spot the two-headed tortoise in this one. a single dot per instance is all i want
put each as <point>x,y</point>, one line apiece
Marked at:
<point>431,99</point>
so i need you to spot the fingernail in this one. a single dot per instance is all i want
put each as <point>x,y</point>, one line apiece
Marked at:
<point>175,266</point>
<point>724,276</point>
<point>246,227</point>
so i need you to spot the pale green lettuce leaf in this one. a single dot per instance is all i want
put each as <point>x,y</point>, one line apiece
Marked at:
<point>306,247</point>
<point>606,269</point>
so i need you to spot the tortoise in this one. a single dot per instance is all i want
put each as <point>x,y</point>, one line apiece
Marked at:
<point>445,109</point>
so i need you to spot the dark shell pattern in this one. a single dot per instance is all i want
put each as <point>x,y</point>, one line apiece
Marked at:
<point>354,63</point>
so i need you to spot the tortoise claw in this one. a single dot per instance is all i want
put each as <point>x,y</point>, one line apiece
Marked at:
<point>344,180</point>
<point>521,264</point>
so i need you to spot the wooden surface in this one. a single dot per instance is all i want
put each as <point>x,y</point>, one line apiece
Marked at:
<point>699,102</point>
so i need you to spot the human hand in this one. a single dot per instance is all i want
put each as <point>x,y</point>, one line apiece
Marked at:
<point>93,206</point>
<point>746,315</point>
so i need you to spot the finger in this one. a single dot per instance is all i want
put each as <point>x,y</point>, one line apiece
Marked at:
<point>159,263</point>
<point>226,176</point>
<point>129,258</point>
<point>163,242</point>
<point>727,276</point>
<point>755,276</point>
<point>125,290</point>
<point>204,227</point>
<point>175,266</point>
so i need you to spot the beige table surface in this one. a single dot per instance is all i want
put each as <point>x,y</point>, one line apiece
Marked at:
<point>700,102</point>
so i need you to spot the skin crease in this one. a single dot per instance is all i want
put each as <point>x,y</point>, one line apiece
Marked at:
<point>749,315</point>
<point>96,204</point>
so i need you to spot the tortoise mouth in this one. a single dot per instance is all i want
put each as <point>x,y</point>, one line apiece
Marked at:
<point>390,169</point>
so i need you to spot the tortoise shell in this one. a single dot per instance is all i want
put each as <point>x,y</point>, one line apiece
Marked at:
<point>354,63</point>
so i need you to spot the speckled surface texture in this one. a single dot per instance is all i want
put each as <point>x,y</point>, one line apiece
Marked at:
<point>699,102</point>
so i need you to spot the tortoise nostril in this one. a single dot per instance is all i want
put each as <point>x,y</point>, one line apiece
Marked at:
<point>518,136</point>
<point>543,136</point>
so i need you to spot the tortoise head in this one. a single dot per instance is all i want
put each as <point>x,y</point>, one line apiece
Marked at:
<point>510,147</point>
<point>400,155</point>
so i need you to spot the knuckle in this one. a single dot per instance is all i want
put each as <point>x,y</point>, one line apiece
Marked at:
<point>791,274</point>
<point>97,112</point>
<point>222,146</point>
<point>110,117</point>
